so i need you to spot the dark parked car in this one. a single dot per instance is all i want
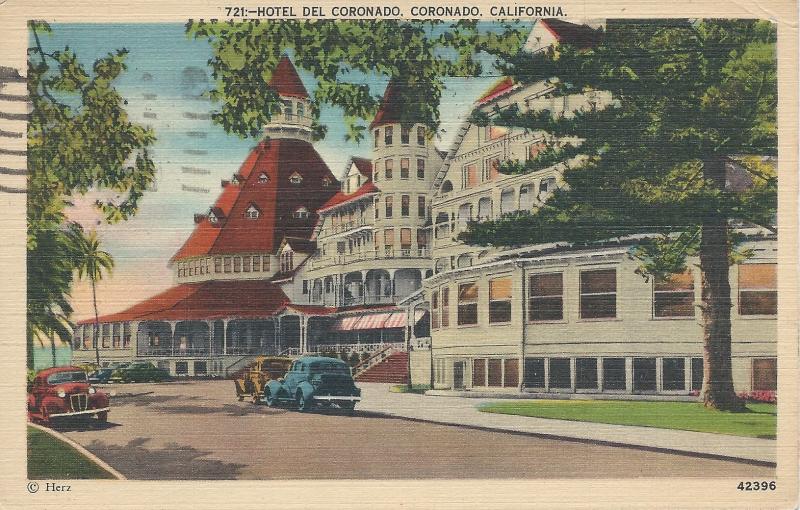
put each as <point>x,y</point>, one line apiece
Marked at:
<point>101,376</point>
<point>314,381</point>
<point>63,392</point>
<point>140,371</point>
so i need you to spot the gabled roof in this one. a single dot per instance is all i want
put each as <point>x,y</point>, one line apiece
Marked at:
<point>276,199</point>
<point>581,36</point>
<point>285,80</point>
<point>206,301</point>
<point>299,245</point>
<point>363,165</point>
<point>341,197</point>
<point>498,89</point>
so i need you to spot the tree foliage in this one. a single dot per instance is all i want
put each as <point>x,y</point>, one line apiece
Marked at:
<point>339,54</point>
<point>80,138</point>
<point>686,95</point>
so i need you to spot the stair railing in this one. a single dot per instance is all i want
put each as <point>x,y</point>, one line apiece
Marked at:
<point>376,358</point>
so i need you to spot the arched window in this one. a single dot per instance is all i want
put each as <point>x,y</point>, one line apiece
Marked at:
<point>252,212</point>
<point>447,187</point>
<point>525,197</point>
<point>262,178</point>
<point>212,218</point>
<point>484,209</point>
<point>296,178</point>
<point>301,212</point>
<point>464,215</point>
<point>507,201</point>
<point>464,260</point>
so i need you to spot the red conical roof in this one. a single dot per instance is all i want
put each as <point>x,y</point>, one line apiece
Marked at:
<point>391,107</point>
<point>285,80</point>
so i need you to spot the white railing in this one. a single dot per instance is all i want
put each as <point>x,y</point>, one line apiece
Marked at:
<point>376,358</point>
<point>373,347</point>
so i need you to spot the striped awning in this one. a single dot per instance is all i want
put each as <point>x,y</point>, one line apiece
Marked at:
<point>372,321</point>
<point>345,323</point>
<point>395,320</point>
<point>380,320</point>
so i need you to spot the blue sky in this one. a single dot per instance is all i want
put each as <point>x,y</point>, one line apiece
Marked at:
<point>166,73</point>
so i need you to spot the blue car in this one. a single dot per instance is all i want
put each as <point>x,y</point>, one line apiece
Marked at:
<point>314,381</point>
<point>101,375</point>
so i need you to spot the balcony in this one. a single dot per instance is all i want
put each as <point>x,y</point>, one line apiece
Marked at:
<point>346,226</point>
<point>368,300</point>
<point>386,253</point>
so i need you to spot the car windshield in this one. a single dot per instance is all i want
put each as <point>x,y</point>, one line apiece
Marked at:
<point>62,377</point>
<point>337,368</point>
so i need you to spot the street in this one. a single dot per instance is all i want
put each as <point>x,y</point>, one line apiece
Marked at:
<point>198,430</point>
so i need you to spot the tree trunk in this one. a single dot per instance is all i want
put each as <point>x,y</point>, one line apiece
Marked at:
<point>29,346</point>
<point>96,333</point>
<point>53,347</point>
<point>718,391</point>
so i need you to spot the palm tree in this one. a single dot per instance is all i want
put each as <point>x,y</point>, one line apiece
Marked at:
<point>92,263</point>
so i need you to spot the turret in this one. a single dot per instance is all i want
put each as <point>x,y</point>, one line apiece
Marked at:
<point>295,118</point>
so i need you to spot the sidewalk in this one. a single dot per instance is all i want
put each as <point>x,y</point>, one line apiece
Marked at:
<point>463,412</point>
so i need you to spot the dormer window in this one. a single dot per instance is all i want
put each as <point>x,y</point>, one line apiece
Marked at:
<point>252,212</point>
<point>300,213</point>
<point>326,182</point>
<point>263,178</point>
<point>296,178</point>
<point>212,218</point>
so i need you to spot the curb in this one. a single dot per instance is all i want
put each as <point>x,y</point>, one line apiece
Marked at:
<point>83,451</point>
<point>573,439</point>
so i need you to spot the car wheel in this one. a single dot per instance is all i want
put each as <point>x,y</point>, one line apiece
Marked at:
<point>256,398</point>
<point>271,399</point>
<point>349,407</point>
<point>102,418</point>
<point>303,404</point>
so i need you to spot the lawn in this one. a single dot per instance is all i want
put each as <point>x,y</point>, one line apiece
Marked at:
<point>415,388</point>
<point>760,422</point>
<point>50,458</point>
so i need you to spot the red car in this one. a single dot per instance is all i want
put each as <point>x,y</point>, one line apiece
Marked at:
<point>62,392</point>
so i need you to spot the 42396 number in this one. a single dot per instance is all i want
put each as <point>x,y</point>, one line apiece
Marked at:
<point>757,486</point>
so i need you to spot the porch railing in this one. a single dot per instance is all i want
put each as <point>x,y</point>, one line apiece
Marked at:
<point>376,358</point>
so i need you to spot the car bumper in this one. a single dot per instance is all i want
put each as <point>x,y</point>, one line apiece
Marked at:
<point>337,398</point>
<point>76,413</point>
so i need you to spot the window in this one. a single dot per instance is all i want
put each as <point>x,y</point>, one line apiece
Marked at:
<point>614,374</point>
<point>262,178</point>
<point>500,300</point>
<point>212,218</point>
<point>420,168</point>
<point>467,304</point>
<point>256,263</point>
<point>389,168</point>
<point>534,372</point>
<point>201,367</point>
<point>287,109</point>
<point>484,208</point>
<point>376,172</point>
<point>495,132</point>
<point>510,372</point>
<point>301,213</point>
<point>405,240</point>
<point>227,264</point>
<point>491,168</point>
<point>421,209</point>
<point>494,372</point>
<point>560,373</point>
<point>674,296</point>
<point>765,374</point>
<point>246,263</point>
<point>599,294</point>
<point>525,197</point>
<point>181,367</point>
<point>326,182</point>
<point>546,297</point>
<point>586,373</point>
<point>547,185</point>
<point>388,240</point>
<point>469,176</point>
<point>106,329</point>
<point>405,134</point>
<point>697,373</point>
<point>377,135</point>
<point>405,206</point>
<point>435,309</point>
<point>265,263</point>
<point>237,264</point>
<point>389,202</point>
<point>644,374</point>
<point>507,201</point>
<point>126,335</point>
<point>464,215</point>
<point>673,374</point>
<point>305,286</point>
<point>479,372</point>
<point>405,164</point>
<point>421,136</point>
<point>296,178</point>
<point>445,294</point>
<point>377,208</point>
<point>387,135</point>
<point>758,289</point>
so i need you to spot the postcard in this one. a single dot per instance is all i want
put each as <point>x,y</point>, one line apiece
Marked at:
<point>340,255</point>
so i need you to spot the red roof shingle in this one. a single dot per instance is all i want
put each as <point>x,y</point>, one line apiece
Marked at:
<point>275,200</point>
<point>341,197</point>
<point>285,80</point>
<point>206,301</point>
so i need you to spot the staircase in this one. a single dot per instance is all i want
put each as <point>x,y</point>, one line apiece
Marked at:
<point>392,368</point>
